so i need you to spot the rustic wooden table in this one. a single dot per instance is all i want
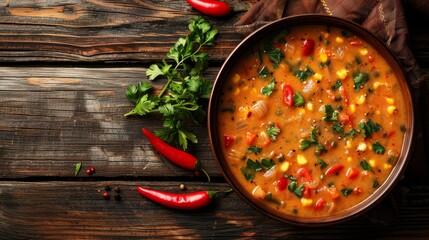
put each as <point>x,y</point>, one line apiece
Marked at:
<point>64,68</point>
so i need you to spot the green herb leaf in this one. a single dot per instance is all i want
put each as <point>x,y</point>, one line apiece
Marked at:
<point>378,148</point>
<point>369,127</point>
<point>254,165</point>
<point>263,73</point>
<point>275,56</point>
<point>375,183</point>
<point>365,165</point>
<point>247,174</point>
<point>254,149</point>
<point>338,127</point>
<point>297,190</point>
<point>330,114</point>
<point>320,149</point>
<point>313,135</point>
<point>351,133</point>
<point>267,90</point>
<point>337,85</point>
<point>78,166</point>
<point>321,163</point>
<point>269,197</point>
<point>359,80</point>
<point>273,131</point>
<point>325,64</point>
<point>304,144</point>
<point>346,191</point>
<point>298,99</point>
<point>268,163</point>
<point>303,75</point>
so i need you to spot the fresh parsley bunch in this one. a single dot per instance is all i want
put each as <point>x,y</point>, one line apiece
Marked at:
<point>180,100</point>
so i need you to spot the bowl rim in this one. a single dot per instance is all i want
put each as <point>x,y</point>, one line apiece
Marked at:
<point>321,20</point>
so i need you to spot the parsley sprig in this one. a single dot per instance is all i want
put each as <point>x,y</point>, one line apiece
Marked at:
<point>180,100</point>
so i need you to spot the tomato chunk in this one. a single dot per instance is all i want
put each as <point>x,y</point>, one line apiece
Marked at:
<point>320,204</point>
<point>250,138</point>
<point>228,140</point>
<point>307,192</point>
<point>356,43</point>
<point>287,95</point>
<point>304,174</point>
<point>308,47</point>
<point>282,184</point>
<point>335,169</point>
<point>333,192</point>
<point>352,173</point>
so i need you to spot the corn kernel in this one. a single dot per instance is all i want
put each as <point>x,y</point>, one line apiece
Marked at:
<point>349,159</point>
<point>236,78</point>
<point>348,144</point>
<point>342,74</point>
<point>361,99</point>
<point>390,101</point>
<point>362,147</point>
<point>339,40</point>
<point>377,112</point>
<point>306,202</point>
<point>254,90</point>
<point>284,166</point>
<point>326,35</point>
<point>371,163</point>
<point>317,76</point>
<point>387,166</point>
<point>310,106</point>
<point>377,84</point>
<point>323,57</point>
<point>391,109</point>
<point>245,87</point>
<point>236,91</point>
<point>301,160</point>
<point>301,111</point>
<point>363,51</point>
<point>352,108</point>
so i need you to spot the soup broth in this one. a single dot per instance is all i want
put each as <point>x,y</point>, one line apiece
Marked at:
<point>312,121</point>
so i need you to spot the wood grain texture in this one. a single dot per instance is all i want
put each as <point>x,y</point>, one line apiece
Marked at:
<point>76,210</point>
<point>101,30</point>
<point>55,117</point>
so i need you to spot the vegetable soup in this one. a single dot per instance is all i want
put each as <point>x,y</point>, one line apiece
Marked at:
<point>312,121</point>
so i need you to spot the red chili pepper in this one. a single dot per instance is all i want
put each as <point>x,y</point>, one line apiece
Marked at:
<point>334,170</point>
<point>184,201</point>
<point>307,192</point>
<point>321,203</point>
<point>282,183</point>
<point>287,95</point>
<point>352,173</point>
<point>176,156</point>
<point>308,47</point>
<point>211,7</point>
<point>356,43</point>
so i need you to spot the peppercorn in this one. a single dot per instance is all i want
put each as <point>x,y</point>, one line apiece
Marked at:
<point>88,172</point>
<point>106,195</point>
<point>92,169</point>
<point>117,190</point>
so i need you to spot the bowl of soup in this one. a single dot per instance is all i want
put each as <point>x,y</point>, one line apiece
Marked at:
<point>311,120</point>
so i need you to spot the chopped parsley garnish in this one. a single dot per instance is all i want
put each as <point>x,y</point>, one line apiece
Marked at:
<point>275,56</point>
<point>304,144</point>
<point>248,174</point>
<point>269,197</point>
<point>358,60</point>
<point>313,135</point>
<point>298,99</point>
<point>254,149</point>
<point>375,183</point>
<point>322,164</point>
<point>346,191</point>
<point>365,165</point>
<point>402,128</point>
<point>268,163</point>
<point>325,64</point>
<point>320,149</point>
<point>254,165</point>
<point>337,85</point>
<point>303,75</point>
<point>297,190</point>
<point>267,90</point>
<point>273,131</point>
<point>369,127</point>
<point>78,166</point>
<point>378,148</point>
<point>263,73</point>
<point>351,133</point>
<point>330,114</point>
<point>338,127</point>
<point>359,80</point>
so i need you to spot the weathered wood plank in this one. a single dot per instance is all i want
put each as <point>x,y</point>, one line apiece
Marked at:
<point>55,117</point>
<point>76,210</point>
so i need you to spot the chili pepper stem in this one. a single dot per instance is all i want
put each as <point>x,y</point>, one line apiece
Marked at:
<point>212,194</point>
<point>207,175</point>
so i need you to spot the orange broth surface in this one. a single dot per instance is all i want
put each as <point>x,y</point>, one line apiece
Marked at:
<point>312,121</point>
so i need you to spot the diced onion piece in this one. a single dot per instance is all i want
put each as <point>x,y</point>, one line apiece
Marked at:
<point>340,53</point>
<point>270,172</point>
<point>308,87</point>
<point>235,155</point>
<point>259,193</point>
<point>241,124</point>
<point>259,109</point>
<point>236,78</point>
<point>265,138</point>
<point>289,48</point>
<point>362,147</point>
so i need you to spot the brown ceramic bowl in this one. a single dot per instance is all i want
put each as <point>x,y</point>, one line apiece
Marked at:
<point>245,46</point>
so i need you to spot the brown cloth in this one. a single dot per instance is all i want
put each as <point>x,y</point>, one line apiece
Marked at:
<point>386,19</point>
